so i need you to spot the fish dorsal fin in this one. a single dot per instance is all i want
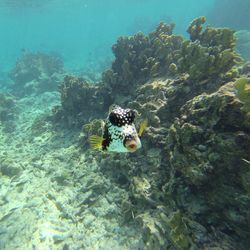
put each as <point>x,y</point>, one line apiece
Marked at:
<point>95,142</point>
<point>142,127</point>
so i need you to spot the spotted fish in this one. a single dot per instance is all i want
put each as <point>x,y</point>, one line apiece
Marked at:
<point>119,133</point>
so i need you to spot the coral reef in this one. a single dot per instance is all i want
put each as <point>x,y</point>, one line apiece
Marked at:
<point>198,164</point>
<point>209,57</point>
<point>189,185</point>
<point>243,93</point>
<point>141,57</point>
<point>79,98</point>
<point>187,188</point>
<point>36,73</point>
<point>207,156</point>
<point>209,54</point>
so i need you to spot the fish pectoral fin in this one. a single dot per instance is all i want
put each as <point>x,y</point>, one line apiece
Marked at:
<point>95,142</point>
<point>143,126</point>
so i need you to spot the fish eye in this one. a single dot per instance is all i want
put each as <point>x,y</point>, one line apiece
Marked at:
<point>113,118</point>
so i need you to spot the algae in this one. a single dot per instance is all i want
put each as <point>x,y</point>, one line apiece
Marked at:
<point>243,92</point>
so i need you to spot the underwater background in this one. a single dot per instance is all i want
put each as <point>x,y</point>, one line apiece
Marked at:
<point>183,65</point>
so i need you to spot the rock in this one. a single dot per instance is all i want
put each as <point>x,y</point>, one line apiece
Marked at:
<point>10,169</point>
<point>79,98</point>
<point>36,73</point>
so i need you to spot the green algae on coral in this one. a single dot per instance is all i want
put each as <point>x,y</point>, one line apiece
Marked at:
<point>141,57</point>
<point>242,86</point>
<point>178,231</point>
<point>243,92</point>
<point>210,53</point>
<point>195,28</point>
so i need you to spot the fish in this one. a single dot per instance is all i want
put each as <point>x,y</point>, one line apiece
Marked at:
<point>119,132</point>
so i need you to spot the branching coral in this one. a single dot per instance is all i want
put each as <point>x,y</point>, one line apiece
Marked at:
<point>208,56</point>
<point>195,28</point>
<point>140,57</point>
<point>210,53</point>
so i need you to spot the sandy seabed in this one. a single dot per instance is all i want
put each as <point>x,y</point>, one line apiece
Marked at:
<point>50,197</point>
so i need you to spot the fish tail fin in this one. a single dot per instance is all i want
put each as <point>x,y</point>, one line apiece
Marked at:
<point>95,142</point>
<point>143,126</point>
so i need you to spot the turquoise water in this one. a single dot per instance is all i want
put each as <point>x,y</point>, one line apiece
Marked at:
<point>82,31</point>
<point>63,63</point>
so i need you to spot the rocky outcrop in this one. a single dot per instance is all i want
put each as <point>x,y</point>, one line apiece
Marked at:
<point>208,147</point>
<point>35,73</point>
<point>79,99</point>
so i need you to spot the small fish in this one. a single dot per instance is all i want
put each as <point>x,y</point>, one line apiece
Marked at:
<point>119,133</point>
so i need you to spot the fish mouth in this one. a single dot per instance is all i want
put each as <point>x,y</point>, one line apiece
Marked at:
<point>131,145</point>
